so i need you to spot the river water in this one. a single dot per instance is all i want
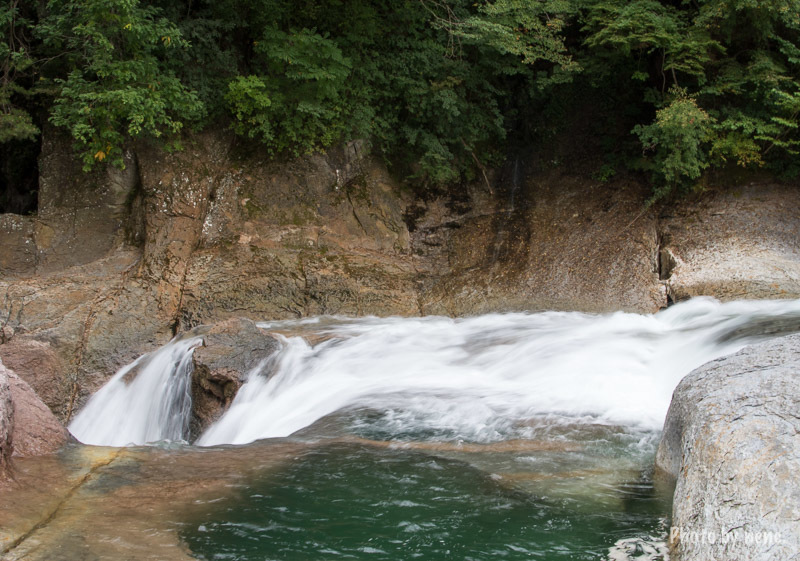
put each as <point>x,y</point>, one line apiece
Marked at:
<point>504,436</point>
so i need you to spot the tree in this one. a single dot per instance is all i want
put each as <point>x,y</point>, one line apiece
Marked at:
<point>679,139</point>
<point>297,102</point>
<point>118,86</point>
<point>16,74</point>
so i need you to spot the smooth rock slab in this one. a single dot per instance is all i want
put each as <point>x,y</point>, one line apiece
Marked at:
<point>732,440</point>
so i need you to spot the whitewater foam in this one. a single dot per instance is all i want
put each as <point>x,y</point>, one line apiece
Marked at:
<point>479,379</point>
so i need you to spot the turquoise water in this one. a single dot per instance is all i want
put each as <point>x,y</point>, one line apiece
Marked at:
<point>505,436</point>
<point>384,501</point>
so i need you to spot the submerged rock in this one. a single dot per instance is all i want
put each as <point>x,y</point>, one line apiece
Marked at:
<point>230,350</point>
<point>732,440</point>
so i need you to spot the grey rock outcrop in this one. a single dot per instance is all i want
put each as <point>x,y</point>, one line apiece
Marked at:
<point>230,350</point>
<point>732,440</point>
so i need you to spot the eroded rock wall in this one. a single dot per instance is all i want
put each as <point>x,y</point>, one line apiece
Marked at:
<point>549,241</point>
<point>117,262</point>
<point>735,243</point>
<point>6,424</point>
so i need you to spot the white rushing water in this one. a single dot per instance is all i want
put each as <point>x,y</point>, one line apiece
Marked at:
<point>477,379</point>
<point>147,401</point>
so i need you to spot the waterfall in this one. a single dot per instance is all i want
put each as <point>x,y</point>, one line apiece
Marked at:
<point>480,379</point>
<point>147,401</point>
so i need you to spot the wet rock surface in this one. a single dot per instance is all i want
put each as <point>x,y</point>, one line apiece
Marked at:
<point>231,349</point>
<point>731,440</point>
<point>220,230</point>
<point>92,502</point>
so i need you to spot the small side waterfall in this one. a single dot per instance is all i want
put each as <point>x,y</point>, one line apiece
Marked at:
<point>147,401</point>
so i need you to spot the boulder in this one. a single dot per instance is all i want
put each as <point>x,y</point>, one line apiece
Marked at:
<point>35,431</point>
<point>37,363</point>
<point>731,441</point>
<point>230,350</point>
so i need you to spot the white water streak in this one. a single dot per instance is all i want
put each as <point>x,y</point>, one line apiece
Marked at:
<point>150,405</point>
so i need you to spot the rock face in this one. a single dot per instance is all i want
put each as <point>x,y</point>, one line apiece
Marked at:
<point>116,262</point>
<point>35,431</point>
<point>6,423</point>
<point>81,217</point>
<point>731,440</point>
<point>737,243</point>
<point>544,241</point>
<point>231,349</point>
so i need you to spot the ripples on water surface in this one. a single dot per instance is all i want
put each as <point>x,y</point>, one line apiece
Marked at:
<point>345,501</point>
<point>509,436</point>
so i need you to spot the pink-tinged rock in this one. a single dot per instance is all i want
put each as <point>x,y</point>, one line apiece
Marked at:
<point>35,431</point>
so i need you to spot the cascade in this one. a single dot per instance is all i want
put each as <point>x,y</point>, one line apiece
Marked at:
<point>480,379</point>
<point>147,401</point>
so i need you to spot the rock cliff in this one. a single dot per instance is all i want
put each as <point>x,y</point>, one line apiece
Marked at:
<point>117,261</point>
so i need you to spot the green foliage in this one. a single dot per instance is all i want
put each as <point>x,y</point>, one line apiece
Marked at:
<point>119,86</point>
<point>16,124</point>
<point>530,31</point>
<point>16,65</point>
<point>736,62</point>
<point>440,88</point>
<point>249,100</point>
<point>297,104</point>
<point>678,137</point>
